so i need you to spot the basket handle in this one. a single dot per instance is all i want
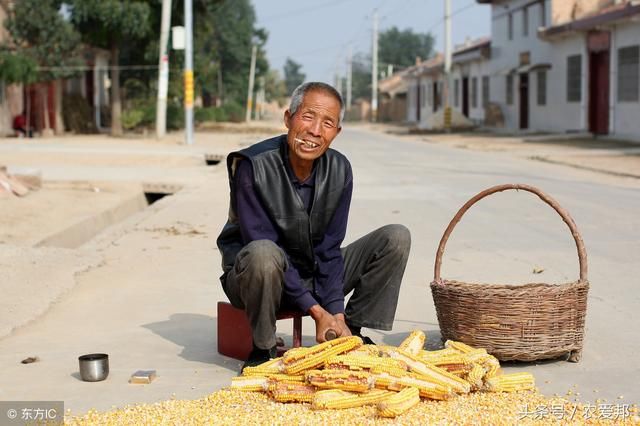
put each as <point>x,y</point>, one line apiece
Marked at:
<point>582,255</point>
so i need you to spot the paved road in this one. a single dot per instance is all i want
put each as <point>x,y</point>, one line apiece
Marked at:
<point>150,303</point>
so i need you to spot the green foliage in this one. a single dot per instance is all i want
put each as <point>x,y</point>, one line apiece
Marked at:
<point>361,76</point>
<point>202,115</point>
<point>107,22</point>
<point>275,89</point>
<point>227,42</point>
<point>131,118</point>
<point>45,38</point>
<point>77,114</point>
<point>17,68</point>
<point>175,116</point>
<point>234,111</point>
<point>292,75</point>
<point>400,48</point>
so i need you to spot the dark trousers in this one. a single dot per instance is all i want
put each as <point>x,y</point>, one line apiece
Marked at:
<point>374,266</point>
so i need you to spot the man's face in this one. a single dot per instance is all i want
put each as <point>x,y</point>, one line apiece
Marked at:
<point>313,127</point>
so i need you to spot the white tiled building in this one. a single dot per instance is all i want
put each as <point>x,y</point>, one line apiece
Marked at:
<point>566,65</point>
<point>550,65</point>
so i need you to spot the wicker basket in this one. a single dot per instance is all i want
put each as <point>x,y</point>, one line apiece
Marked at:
<point>514,322</point>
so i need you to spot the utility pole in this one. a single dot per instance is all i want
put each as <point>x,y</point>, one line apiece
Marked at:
<point>447,64</point>
<point>252,72</point>
<point>374,69</point>
<point>188,71</point>
<point>163,71</point>
<point>338,79</point>
<point>260,99</point>
<point>349,71</point>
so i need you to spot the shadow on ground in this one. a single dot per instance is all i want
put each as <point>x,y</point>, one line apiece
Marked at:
<point>196,333</point>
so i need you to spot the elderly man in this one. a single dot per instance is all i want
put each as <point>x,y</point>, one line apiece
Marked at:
<point>290,198</point>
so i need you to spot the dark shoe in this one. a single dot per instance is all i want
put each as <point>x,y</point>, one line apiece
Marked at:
<point>356,331</point>
<point>366,340</point>
<point>259,356</point>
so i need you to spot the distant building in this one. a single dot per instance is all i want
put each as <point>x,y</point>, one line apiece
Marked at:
<point>566,65</point>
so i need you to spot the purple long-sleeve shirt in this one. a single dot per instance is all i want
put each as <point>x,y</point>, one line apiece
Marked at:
<point>255,224</point>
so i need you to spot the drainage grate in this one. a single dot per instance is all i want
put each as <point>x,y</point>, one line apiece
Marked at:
<point>213,159</point>
<point>157,191</point>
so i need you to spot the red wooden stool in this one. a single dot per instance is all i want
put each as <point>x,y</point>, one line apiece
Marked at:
<point>234,331</point>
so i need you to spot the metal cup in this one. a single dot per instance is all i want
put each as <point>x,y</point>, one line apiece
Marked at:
<point>94,367</point>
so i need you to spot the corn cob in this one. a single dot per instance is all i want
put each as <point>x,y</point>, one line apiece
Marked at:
<point>488,362</point>
<point>317,355</point>
<point>361,362</point>
<point>366,350</point>
<point>492,366</point>
<point>279,377</point>
<point>291,392</point>
<point>459,346</point>
<point>457,364</point>
<point>399,403</point>
<point>398,379</point>
<point>513,382</point>
<point>414,343</point>
<point>475,375</point>
<point>429,356</point>
<point>272,366</point>
<point>354,381</point>
<point>431,372</point>
<point>250,383</point>
<point>335,398</point>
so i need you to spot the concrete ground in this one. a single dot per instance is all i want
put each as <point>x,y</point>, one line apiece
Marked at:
<point>144,288</point>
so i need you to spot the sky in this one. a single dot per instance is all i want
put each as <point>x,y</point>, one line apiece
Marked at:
<point>317,34</point>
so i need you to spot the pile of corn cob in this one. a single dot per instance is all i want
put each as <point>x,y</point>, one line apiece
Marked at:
<point>344,373</point>
<point>378,381</point>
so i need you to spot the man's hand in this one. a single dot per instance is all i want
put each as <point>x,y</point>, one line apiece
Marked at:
<point>342,329</point>
<point>325,321</point>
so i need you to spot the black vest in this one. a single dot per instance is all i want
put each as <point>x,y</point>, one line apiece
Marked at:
<point>298,230</point>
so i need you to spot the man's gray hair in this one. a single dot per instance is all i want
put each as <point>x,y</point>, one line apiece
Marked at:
<point>304,88</point>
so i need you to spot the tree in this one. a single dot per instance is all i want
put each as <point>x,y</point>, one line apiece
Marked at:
<point>400,48</point>
<point>292,75</point>
<point>228,44</point>
<point>275,88</point>
<point>361,76</point>
<point>110,24</point>
<point>39,37</point>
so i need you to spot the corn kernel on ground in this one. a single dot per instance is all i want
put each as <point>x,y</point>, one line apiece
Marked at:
<point>231,407</point>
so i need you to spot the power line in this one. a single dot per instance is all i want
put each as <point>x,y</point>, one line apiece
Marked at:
<point>454,13</point>
<point>99,68</point>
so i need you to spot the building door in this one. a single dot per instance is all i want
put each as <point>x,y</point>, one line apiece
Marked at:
<point>436,96</point>
<point>599,92</point>
<point>524,100</point>
<point>465,96</point>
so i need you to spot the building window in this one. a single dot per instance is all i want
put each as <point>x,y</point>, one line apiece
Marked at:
<point>628,73</point>
<point>574,78</point>
<point>543,14</point>
<point>542,87</point>
<point>485,90</point>
<point>456,90</point>
<point>510,89</point>
<point>510,27</point>
<point>474,92</point>
<point>525,22</point>
<point>1,92</point>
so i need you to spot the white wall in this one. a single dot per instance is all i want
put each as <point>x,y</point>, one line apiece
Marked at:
<point>505,55</point>
<point>626,115</point>
<point>472,69</point>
